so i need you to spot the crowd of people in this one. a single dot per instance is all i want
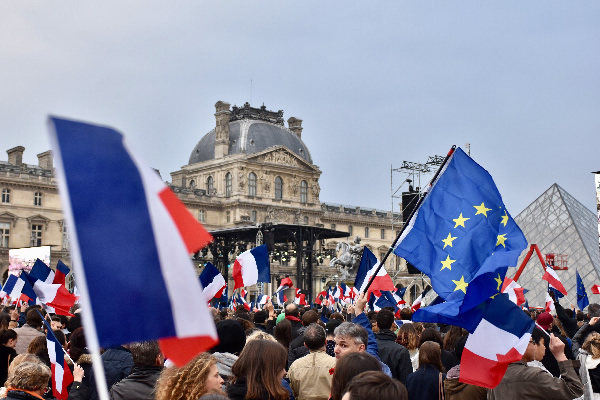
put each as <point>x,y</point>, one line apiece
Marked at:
<point>306,353</point>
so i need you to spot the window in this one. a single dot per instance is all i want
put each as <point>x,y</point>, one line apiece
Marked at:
<point>36,235</point>
<point>228,216</point>
<point>278,188</point>
<point>209,185</point>
<point>37,199</point>
<point>253,216</point>
<point>192,184</point>
<point>333,226</point>
<point>305,220</point>
<point>228,184</point>
<point>201,216</point>
<point>252,184</point>
<point>381,256</point>
<point>6,195</point>
<point>350,230</point>
<point>366,231</point>
<point>303,192</point>
<point>4,233</point>
<point>383,234</point>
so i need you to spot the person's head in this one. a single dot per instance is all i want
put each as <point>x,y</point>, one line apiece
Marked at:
<point>338,316</point>
<point>33,319</point>
<point>8,338</point>
<point>257,334</point>
<point>460,346</point>
<point>38,343</point>
<point>260,317</point>
<point>22,358</point>
<point>196,378</point>
<point>452,336</point>
<point>315,337</point>
<point>592,344</point>
<point>309,317</point>
<point>147,354</point>
<point>430,335</point>
<point>232,337</point>
<point>262,363</point>
<point>292,310</point>
<point>350,338</point>
<point>430,353</point>
<point>545,320</point>
<point>30,376</point>
<point>593,310</point>
<point>385,319</point>
<point>375,385</point>
<point>283,333</point>
<point>77,345</point>
<point>60,336</point>
<point>331,325</point>
<point>408,336</point>
<point>56,323</point>
<point>406,314</point>
<point>536,347</point>
<point>348,367</point>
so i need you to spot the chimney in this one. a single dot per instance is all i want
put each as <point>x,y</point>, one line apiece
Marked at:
<point>295,126</point>
<point>45,160</point>
<point>222,129</point>
<point>15,155</point>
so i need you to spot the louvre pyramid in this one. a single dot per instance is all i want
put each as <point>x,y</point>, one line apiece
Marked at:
<point>559,224</point>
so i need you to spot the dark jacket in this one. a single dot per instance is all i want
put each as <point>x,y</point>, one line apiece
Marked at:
<point>7,354</point>
<point>139,385</point>
<point>239,389</point>
<point>297,348</point>
<point>550,362</point>
<point>394,355</point>
<point>81,391</point>
<point>296,325</point>
<point>18,395</point>
<point>423,384</point>
<point>568,324</point>
<point>118,363</point>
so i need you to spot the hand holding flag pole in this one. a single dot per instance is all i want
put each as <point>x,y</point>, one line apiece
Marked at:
<point>391,249</point>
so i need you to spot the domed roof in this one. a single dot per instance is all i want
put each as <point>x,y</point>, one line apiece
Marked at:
<point>250,137</point>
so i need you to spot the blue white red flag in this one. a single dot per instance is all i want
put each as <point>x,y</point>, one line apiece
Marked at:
<point>13,287</point>
<point>286,283</point>
<point>281,298</point>
<point>417,303</point>
<point>300,298</point>
<point>553,279</point>
<point>213,283</point>
<point>500,338</point>
<point>132,239</point>
<point>61,273</point>
<point>549,307</point>
<point>61,373</point>
<point>40,271</point>
<point>262,300</point>
<point>52,295</point>
<point>241,301</point>
<point>252,266</point>
<point>515,292</point>
<point>368,266</point>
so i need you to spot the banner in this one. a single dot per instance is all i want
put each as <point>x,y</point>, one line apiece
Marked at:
<point>24,258</point>
<point>597,178</point>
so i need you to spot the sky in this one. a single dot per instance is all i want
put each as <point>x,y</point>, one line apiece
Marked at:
<point>375,83</point>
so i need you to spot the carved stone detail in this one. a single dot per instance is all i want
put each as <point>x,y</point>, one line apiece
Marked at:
<point>241,179</point>
<point>280,157</point>
<point>266,181</point>
<point>316,189</point>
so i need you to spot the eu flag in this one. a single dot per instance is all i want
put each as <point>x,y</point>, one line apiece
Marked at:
<point>462,236</point>
<point>582,299</point>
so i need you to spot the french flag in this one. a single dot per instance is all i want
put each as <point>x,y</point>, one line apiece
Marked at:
<point>286,283</point>
<point>515,292</point>
<point>300,298</point>
<point>281,298</point>
<point>320,297</point>
<point>549,304</point>
<point>61,273</point>
<point>500,338</point>
<point>61,374</point>
<point>212,281</point>
<point>262,299</point>
<point>252,266</point>
<point>132,239</point>
<point>241,301</point>
<point>417,303</point>
<point>553,279</point>
<point>42,272</point>
<point>13,287</point>
<point>596,289</point>
<point>48,293</point>
<point>368,265</point>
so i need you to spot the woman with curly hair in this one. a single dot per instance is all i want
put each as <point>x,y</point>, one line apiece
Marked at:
<point>258,372</point>
<point>197,378</point>
<point>409,338</point>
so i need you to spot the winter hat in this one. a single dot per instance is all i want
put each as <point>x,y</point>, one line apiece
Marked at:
<point>545,320</point>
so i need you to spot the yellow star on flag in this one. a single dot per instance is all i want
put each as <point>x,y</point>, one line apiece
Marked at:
<point>447,263</point>
<point>482,209</point>
<point>448,241</point>
<point>461,285</point>
<point>499,280</point>
<point>504,219</point>
<point>501,240</point>
<point>460,221</point>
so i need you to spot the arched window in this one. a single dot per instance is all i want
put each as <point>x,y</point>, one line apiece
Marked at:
<point>37,199</point>
<point>305,220</point>
<point>366,231</point>
<point>192,184</point>
<point>252,184</point>
<point>209,185</point>
<point>228,184</point>
<point>6,195</point>
<point>303,192</point>
<point>278,188</point>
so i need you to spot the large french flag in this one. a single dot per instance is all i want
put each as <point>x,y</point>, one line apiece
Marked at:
<point>515,292</point>
<point>13,287</point>
<point>212,282</point>
<point>553,279</point>
<point>368,266</point>
<point>132,240</point>
<point>61,374</point>
<point>252,266</point>
<point>51,294</point>
<point>500,338</point>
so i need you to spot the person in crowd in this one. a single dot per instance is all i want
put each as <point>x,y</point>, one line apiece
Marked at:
<point>456,390</point>
<point>544,320</point>
<point>309,375</point>
<point>565,317</point>
<point>260,319</point>
<point>523,382</point>
<point>589,372</point>
<point>195,379</point>
<point>232,340</point>
<point>297,348</point>
<point>394,355</point>
<point>451,337</point>
<point>8,341</point>
<point>292,314</point>
<point>432,335</point>
<point>330,329</point>
<point>79,353</point>
<point>427,383</point>
<point>258,372</point>
<point>374,385</point>
<point>21,358</point>
<point>283,333</point>
<point>348,367</point>
<point>357,336</point>
<point>587,328</point>
<point>118,363</point>
<point>409,338</point>
<point>29,331</point>
<point>148,362</point>
<point>28,381</point>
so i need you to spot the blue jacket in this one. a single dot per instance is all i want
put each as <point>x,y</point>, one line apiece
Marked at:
<point>423,384</point>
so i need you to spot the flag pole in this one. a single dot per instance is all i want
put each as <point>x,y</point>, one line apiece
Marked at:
<point>382,262</point>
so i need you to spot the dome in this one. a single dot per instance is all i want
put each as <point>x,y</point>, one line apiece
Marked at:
<point>251,136</point>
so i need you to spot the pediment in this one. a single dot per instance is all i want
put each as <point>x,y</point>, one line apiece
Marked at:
<point>280,155</point>
<point>7,216</point>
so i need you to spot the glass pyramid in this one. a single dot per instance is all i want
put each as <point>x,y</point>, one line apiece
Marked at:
<point>559,224</point>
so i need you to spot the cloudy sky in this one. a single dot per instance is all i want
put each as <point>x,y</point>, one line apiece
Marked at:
<point>376,83</point>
